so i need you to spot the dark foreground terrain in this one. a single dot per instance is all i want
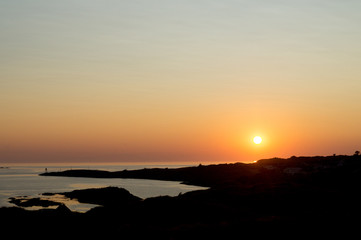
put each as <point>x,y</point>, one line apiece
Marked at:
<point>273,197</point>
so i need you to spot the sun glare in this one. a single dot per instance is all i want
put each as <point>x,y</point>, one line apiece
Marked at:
<point>257,139</point>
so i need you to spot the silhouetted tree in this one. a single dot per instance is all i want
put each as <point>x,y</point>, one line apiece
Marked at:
<point>357,153</point>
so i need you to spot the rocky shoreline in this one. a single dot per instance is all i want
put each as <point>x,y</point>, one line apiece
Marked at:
<point>273,194</point>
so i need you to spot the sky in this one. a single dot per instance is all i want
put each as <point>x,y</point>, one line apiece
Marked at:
<point>178,81</point>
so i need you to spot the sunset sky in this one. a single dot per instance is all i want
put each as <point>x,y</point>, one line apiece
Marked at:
<point>178,80</point>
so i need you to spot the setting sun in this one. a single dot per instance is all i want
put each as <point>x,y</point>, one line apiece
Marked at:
<point>257,139</point>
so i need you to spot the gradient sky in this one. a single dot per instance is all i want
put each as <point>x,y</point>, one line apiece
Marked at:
<point>181,80</point>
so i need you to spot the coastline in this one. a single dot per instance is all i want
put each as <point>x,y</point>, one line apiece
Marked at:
<point>25,181</point>
<point>273,193</point>
<point>221,174</point>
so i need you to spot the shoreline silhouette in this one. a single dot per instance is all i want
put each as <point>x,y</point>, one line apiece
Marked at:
<point>277,194</point>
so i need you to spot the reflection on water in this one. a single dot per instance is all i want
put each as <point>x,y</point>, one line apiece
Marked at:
<point>24,181</point>
<point>56,200</point>
<point>86,185</point>
<point>72,204</point>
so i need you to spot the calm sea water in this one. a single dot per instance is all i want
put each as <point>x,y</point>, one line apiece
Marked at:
<point>25,181</point>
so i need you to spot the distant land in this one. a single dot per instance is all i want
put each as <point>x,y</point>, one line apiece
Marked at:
<point>297,193</point>
<point>274,169</point>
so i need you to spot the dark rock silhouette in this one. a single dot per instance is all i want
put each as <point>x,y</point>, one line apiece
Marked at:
<point>299,194</point>
<point>109,196</point>
<point>30,202</point>
<point>62,209</point>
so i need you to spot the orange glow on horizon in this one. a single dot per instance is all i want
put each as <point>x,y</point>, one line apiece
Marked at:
<point>161,83</point>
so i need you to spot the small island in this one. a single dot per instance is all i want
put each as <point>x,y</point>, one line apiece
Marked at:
<point>273,194</point>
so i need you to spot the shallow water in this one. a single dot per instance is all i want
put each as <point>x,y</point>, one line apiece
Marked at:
<point>25,181</point>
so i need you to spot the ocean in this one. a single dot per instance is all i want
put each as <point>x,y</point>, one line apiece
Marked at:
<point>24,180</point>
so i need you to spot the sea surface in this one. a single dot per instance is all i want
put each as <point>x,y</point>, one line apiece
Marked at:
<point>24,180</point>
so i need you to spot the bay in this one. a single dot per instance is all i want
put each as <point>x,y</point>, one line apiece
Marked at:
<point>24,180</point>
